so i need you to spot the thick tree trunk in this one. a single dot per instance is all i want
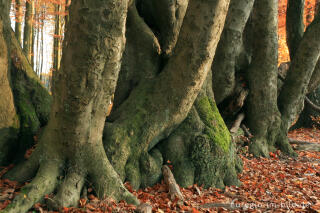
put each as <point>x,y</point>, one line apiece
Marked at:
<point>200,149</point>
<point>9,122</point>
<point>263,116</point>
<point>157,106</point>
<point>32,100</point>
<point>152,111</point>
<point>224,63</point>
<point>139,39</point>
<point>26,103</point>
<point>27,32</point>
<point>73,136</point>
<point>294,25</point>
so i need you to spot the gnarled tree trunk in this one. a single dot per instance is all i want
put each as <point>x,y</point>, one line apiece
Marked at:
<point>148,113</point>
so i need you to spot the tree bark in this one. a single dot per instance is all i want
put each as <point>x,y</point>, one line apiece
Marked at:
<point>162,103</point>
<point>224,63</point>
<point>57,38</point>
<point>165,18</point>
<point>81,97</point>
<point>262,112</point>
<point>32,100</point>
<point>153,109</point>
<point>200,149</point>
<point>294,25</point>
<point>291,98</point>
<point>18,22</point>
<point>27,32</point>
<point>9,122</point>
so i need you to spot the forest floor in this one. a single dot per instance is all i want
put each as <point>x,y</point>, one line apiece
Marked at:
<point>275,184</point>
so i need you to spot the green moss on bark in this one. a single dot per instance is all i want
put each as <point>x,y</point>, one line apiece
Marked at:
<point>32,102</point>
<point>215,129</point>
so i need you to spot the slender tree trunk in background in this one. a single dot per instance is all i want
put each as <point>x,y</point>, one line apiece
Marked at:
<point>224,63</point>
<point>263,116</point>
<point>18,22</point>
<point>294,25</point>
<point>38,45</point>
<point>57,37</point>
<point>41,49</point>
<point>33,46</point>
<point>27,34</point>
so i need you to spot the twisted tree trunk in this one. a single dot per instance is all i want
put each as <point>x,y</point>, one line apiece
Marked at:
<point>151,112</point>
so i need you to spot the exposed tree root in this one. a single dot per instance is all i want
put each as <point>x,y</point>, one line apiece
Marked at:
<point>305,145</point>
<point>259,148</point>
<point>283,144</point>
<point>26,170</point>
<point>69,190</point>
<point>44,183</point>
<point>144,208</point>
<point>106,181</point>
<point>312,105</point>
<point>174,190</point>
<point>104,177</point>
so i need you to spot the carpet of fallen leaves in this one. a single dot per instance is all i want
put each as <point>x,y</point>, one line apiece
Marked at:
<point>275,184</point>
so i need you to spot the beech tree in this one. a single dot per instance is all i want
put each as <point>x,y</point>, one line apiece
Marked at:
<point>166,64</point>
<point>25,103</point>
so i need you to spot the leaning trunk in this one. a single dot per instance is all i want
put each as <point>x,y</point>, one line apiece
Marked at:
<point>295,88</point>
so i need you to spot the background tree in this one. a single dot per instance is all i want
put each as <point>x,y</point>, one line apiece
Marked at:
<point>18,23</point>
<point>25,102</point>
<point>28,30</point>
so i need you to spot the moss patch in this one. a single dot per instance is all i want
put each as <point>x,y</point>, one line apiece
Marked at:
<point>216,128</point>
<point>32,102</point>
